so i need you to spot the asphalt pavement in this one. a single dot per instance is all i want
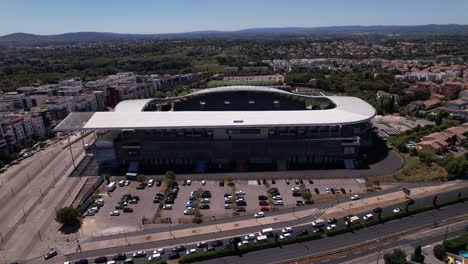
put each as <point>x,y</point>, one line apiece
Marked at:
<point>308,248</point>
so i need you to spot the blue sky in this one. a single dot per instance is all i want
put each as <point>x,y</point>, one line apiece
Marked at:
<point>166,16</point>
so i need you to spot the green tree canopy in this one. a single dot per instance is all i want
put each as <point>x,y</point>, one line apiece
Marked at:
<point>67,216</point>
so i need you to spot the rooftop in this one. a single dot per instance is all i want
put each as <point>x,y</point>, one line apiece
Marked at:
<point>347,110</point>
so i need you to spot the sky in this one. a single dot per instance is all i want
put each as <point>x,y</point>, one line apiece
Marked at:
<point>171,16</point>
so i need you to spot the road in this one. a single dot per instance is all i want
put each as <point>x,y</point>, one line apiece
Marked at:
<point>291,252</point>
<point>369,233</point>
<point>35,189</point>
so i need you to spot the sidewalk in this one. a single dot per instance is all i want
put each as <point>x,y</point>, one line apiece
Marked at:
<point>338,210</point>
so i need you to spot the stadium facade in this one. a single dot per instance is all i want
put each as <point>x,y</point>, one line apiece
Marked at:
<point>234,128</point>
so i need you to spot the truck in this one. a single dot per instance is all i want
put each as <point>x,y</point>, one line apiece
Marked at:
<point>111,187</point>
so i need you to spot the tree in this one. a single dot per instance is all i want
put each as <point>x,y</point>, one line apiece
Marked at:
<point>417,256</point>
<point>68,216</point>
<point>229,180</point>
<point>439,252</point>
<point>398,256</point>
<point>452,140</point>
<point>141,178</point>
<point>170,177</point>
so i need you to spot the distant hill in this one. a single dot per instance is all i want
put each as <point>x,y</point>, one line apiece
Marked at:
<point>24,39</point>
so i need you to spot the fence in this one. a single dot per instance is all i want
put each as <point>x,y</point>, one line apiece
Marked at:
<point>84,201</point>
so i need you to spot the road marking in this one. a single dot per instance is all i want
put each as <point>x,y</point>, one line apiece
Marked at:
<point>326,260</point>
<point>342,256</point>
<point>358,252</point>
<point>372,248</point>
<point>427,246</point>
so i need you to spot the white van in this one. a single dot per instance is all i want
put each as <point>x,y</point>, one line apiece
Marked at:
<point>111,187</point>
<point>260,239</point>
<point>151,183</point>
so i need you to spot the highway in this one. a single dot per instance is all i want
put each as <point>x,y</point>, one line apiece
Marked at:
<point>312,247</point>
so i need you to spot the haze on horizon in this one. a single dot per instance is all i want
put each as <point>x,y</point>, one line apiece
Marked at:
<point>119,16</point>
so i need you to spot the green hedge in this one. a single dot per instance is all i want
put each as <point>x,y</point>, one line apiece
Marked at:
<point>456,244</point>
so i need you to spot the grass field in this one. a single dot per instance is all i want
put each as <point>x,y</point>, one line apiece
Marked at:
<point>416,171</point>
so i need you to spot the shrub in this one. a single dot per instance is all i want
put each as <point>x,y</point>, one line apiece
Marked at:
<point>457,243</point>
<point>439,252</point>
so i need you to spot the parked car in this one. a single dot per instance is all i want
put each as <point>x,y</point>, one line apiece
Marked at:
<point>263,197</point>
<point>221,183</point>
<point>278,202</point>
<point>265,209</point>
<point>311,181</point>
<point>128,210</point>
<point>50,254</point>
<point>167,207</point>
<point>330,227</point>
<point>299,203</point>
<point>284,236</point>
<point>316,190</point>
<point>141,186</point>
<point>332,221</point>
<point>205,206</point>
<point>150,183</point>
<point>158,183</point>
<point>203,182</point>
<point>397,210</point>
<point>377,210</point>
<point>355,197</point>
<point>286,230</point>
<point>241,209</point>
<point>115,213</point>
<point>263,203</point>
<point>216,243</point>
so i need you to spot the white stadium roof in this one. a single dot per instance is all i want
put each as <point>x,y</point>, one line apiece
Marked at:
<point>129,115</point>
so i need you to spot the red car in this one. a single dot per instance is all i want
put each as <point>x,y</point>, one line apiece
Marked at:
<point>265,209</point>
<point>128,210</point>
<point>263,203</point>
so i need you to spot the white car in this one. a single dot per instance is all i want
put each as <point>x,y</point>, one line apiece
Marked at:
<point>368,217</point>
<point>139,254</point>
<point>242,243</point>
<point>355,197</point>
<point>295,189</point>
<point>150,183</point>
<point>330,227</point>
<point>285,235</point>
<point>205,200</point>
<point>259,214</point>
<point>115,213</point>
<point>397,210</point>
<point>167,207</point>
<point>127,182</point>
<point>250,237</point>
<point>286,230</point>
<point>203,182</point>
<point>159,250</point>
<point>240,192</point>
<point>191,251</point>
<point>277,197</point>
<point>189,182</point>
<point>154,256</point>
<point>278,202</point>
<point>327,190</point>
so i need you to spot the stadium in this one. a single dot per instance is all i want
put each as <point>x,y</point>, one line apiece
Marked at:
<point>230,129</point>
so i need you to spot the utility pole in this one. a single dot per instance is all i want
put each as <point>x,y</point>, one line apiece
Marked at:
<point>380,249</point>
<point>71,152</point>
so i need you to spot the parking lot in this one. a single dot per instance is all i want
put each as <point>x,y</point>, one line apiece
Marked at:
<point>252,190</point>
<point>102,223</point>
